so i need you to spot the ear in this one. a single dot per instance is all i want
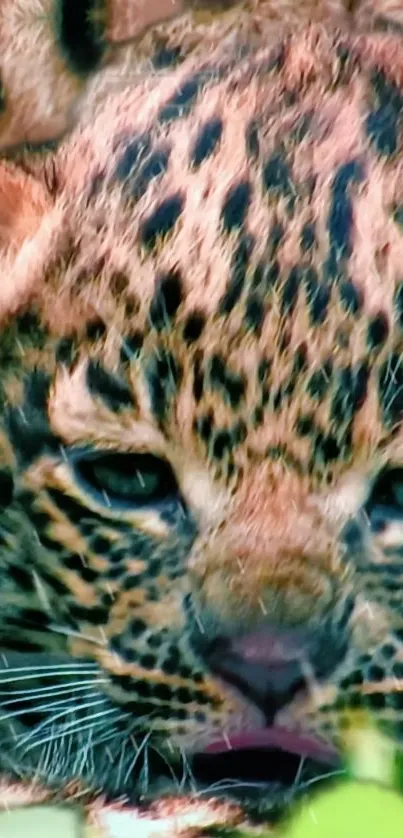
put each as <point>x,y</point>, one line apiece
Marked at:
<point>27,231</point>
<point>24,200</point>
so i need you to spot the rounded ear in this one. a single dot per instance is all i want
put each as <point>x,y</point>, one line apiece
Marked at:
<point>25,241</point>
<point>24,200</point>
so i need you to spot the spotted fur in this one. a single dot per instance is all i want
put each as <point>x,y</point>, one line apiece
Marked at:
<point>207,272</point>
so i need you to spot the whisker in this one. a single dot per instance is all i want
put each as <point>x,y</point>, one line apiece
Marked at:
<point>75,707</point>
<point>67,632</point>
<point>132,764</point>
<point>71,728</point>
<point>41,692</point>
<point>68,705</point>
<point>45,672</point>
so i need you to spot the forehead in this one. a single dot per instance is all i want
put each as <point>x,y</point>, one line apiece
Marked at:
<point>240,236</point>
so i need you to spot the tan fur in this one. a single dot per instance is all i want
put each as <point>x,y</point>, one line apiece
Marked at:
<point>73,251</point>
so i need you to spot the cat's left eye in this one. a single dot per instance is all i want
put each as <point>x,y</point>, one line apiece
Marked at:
<point>127,479</point>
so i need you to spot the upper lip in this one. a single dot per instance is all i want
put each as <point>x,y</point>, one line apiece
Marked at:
<point>269,671</point>
<point>295,741</point>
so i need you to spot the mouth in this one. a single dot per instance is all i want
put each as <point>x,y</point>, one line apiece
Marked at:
<point>266,770</point>
<point>266,674</point>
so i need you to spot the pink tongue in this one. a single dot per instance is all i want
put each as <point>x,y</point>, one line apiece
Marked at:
<point>277,737</point>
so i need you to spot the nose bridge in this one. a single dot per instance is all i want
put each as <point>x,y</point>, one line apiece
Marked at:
<point>275,557</point>
<point>267,528</point>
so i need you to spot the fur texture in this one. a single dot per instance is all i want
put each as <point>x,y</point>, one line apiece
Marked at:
<point>202,309</point>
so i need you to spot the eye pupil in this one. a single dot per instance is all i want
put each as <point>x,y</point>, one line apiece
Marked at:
<point>127,479</point>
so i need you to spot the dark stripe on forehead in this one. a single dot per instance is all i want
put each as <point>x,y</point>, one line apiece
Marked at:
<point>112,390</point>
<point>164,375</point>
<point>28,425</point>
<point>166,300</point>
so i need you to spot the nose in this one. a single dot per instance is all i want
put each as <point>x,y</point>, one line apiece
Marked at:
<point>270,667</point>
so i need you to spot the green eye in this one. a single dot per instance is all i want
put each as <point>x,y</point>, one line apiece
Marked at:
<point>127,479</point>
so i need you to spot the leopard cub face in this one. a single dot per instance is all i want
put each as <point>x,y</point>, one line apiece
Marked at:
<point>202,485</point>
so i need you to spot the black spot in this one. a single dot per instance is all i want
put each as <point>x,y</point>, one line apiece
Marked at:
<point>95,330</point>
<point>23,578</point>
<point>148,662</point>
<point>254,313</point>
<point>154,166</point>
<point>163,692</point>
<point>390,383</point>
<point>6,487</point>
<point>198,381</point>
<point>230,384</point>
<point>252,139</point>
<point>257,416</point>
<point>235,206</point>
<point>326,448</point>
<point>101,545</point>
<point>133,155</point>
<point>193,327</point>
<point>204,427</point>
<point>97,615</point>
<point>398,303</point>
<point>132,305</point>
<point>75,562</point>
<point>375,672</point>
<point>319,382</point>
<point>131,346</point>
<point>351,297</point>
<point>275,238</point>
<point>302,127</point>
<point>66,351</point>
<point>239,265</point>
<point>113,391</point>
<point>398,666</point>
<point>73,510</point>
<point>340,219</point>
<point>318,297</point>
<point>350,393</point>
<point>257,278</point>
<point>383,123</point>
<point>354,679</point>
<point>263,370</point>
<point>377,331</point>
<point>376,701</point>
<point>222,444</point>
<point>35,617</point>
<point>277,180</point>
<point>28,425</point>
<point>207,141</point>
<point>307,238</point>
<point>162,220</point>
<point>305,425</point>
<point>164,374</point>
<point>137,627</point>
<point>166,300</point>
<point>30,330</point>
<point>388,651</point>
<point>181,103</point>
<point>291,288</point>
<point>79,32</point>
<point>166,57</point>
